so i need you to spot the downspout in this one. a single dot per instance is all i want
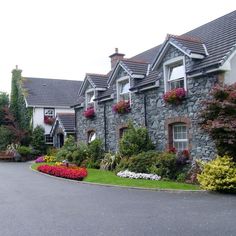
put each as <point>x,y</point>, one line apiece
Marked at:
<point>75,125</point>
<point>105,126</point>
<point>145,109</point>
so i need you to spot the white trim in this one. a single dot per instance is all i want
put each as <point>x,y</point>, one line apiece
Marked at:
<point>156,85</point>
<point>51,106</point>
<point>86,97</point>
<point>196,56</point>
<point>168,64</point>
<point>180,49</point>
<point>205,48</point>
<point>137,76</point>
<point>124,78</point>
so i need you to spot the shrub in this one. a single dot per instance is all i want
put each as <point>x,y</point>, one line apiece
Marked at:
<point>135,141</point>
<point>219,175</point>
<point>95,153</point>
<point>6,137</point>
<point>51,151</point>
<point>165,165</point>
<point>65,153</point>
<point>219,118</point>
<point>142,162</point>
<point>64,172</point>
<point>24,151</point>
<point>123,164</point>
<point>80,154</point>
<point>38,139</point>
<point>110,161</point>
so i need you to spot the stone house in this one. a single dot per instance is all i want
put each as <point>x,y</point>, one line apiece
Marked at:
<point>195,62</point>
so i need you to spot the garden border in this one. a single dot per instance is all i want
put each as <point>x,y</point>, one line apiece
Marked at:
<point>119,186</point>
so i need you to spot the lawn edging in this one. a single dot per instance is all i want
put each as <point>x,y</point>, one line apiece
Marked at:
<point>119,186</point>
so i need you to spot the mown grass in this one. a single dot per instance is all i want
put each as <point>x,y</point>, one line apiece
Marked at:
<point>108,177</point>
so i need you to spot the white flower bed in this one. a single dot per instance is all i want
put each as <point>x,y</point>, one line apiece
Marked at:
<point>133,175</point>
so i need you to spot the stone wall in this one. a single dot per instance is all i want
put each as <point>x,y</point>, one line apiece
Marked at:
<point>158,114</point>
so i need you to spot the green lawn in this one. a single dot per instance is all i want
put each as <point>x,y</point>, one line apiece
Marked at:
<point>107,177</point>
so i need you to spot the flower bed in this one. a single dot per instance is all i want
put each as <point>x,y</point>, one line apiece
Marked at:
<point>40,159</point>
<point>122,107</point>
<point>133,175</point>
<point>64,172</point>
<point>175,96</point>
<point>89,113</point>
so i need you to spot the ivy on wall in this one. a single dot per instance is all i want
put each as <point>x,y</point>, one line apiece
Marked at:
<point>17,102</point>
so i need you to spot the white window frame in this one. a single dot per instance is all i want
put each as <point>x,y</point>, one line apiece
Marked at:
<point>48,109</point>
<point>118,82</point>
<point>89,104</point>
<point>180,140</point>
<point>45,137</point>
<point>89,136</point>
<point>166,68</point>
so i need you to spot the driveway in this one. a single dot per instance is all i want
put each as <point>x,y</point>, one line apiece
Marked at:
<point>35,204</point>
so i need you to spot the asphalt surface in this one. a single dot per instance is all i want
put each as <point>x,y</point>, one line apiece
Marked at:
<point>35,204</point>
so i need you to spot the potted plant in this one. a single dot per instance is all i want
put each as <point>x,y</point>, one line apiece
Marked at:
<point>122,107</point>
<point>89,113</point>
<point>175,96</point>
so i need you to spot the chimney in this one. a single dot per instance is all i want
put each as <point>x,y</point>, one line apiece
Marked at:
<point>115,57</point>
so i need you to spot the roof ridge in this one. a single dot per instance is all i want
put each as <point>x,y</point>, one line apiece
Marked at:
<point>26,77</point>
<point>103,75</point>
<point>185,38</point>
<point>136,61</point>
<point>65,113</point>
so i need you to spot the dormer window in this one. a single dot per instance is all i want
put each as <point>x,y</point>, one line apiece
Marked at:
<point>123,86</point>
<point>174,74</point>
<point>90,96</point>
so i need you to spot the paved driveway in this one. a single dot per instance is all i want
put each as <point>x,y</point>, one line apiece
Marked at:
<point>34,204</point>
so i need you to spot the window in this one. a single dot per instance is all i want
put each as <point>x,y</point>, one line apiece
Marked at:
<point>90,99</point>
<point>49,112</point>
<point>174,73</point>
<point>180,137</point>
<point>122,131</point>
<point>91,136</point>
<point>123,90</point>
<point>48,139</point>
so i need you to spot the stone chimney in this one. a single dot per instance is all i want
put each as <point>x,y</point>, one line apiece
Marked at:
<point>115,57</point>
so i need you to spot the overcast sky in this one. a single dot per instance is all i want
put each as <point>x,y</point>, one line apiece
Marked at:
<point>64,39</point>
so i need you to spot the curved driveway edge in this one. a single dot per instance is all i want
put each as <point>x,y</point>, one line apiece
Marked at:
<point>117,186</point>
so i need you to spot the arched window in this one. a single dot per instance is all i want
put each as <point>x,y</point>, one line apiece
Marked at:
<point>91,136</point>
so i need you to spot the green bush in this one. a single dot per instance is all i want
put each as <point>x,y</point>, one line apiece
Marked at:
<point>142,162</point>
<point>135,141</point>
<point>95,153</point>
<point>6,137</point>
<point>165,165</point>
<point>219,175</point>
<point>80,154</point>
<point>123,164</point>
<point>24,151</point>
<point>38,139</point>
<point>66,152</point>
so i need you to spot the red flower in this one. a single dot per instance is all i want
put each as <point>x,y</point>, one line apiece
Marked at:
<point>89,113</point>
<point>122,107</point>
<point>172,150</point>
<point>64,172</point>
<point>175,96</point>
<point>49,120</point>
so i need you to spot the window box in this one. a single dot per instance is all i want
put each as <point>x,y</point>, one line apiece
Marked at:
<point>175,96</point>
<point>49,120</point>
<point>89,113</point>
<point>122,107</point>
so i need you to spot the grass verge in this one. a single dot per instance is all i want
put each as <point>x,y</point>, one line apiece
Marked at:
<point>108,177</point>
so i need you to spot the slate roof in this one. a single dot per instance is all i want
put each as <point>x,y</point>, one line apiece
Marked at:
<point>51,92</point>
<point>67,120</point>
<point>135,67</point>
<point>99,81</point>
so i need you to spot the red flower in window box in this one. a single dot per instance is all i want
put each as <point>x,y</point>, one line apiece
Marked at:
<point>49,120</point>
<point>175,96</point>
<point>122,107</point>
<point>89,113</point>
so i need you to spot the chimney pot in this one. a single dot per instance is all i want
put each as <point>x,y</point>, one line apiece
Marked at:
<point>115,57</point>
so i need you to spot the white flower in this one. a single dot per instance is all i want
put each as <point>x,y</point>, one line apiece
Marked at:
<point>133,175</point>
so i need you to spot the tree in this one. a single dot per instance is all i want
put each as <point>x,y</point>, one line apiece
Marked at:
<point>38,140</point>
<point>4,102</point>
<point>219,119</point>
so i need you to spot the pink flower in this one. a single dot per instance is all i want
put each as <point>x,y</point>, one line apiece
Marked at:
<point>89,113</point>
<point>174,96</point>
<point>122,107</point>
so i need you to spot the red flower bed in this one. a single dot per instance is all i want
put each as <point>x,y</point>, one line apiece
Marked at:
<point>89,113</point>
<point>64,172</point>
<point>122,107</point>
<point>175,96</point>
